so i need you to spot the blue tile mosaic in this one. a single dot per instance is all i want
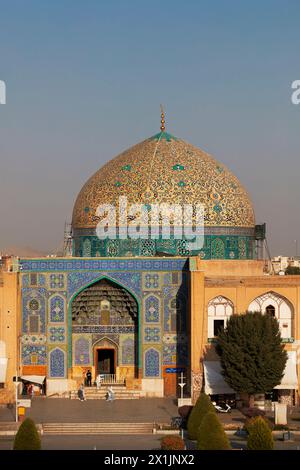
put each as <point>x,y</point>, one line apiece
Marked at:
<point>152,363</point>
<point>57,363</point>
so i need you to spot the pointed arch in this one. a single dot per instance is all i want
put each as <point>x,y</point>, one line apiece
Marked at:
<point>282,308</point>
<point>219,310</point>
<point>122,286</point>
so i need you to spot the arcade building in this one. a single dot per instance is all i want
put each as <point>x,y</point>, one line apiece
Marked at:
<point>141,311</point>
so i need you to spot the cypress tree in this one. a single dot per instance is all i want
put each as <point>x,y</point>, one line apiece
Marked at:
<point>211,434</point>
<point>251,353</point>
<point>260,435</point>
<point>203,405</point>
<point>27,437</point>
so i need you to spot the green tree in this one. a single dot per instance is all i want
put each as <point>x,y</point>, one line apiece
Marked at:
<point>292,270</point>
<point>203,405</point>
<point>251,353</point>
<point>27,437</point>
<point>260,435</point>
<point>211,434</point>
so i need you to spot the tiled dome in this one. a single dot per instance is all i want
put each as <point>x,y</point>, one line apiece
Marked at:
<point>165,169</point>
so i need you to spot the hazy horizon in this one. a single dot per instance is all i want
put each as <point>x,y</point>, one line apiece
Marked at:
<point>84,82</point>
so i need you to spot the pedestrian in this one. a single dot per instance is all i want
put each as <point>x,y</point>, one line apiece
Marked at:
<point>98,381</point>
<point>31,390</point>
<point>89,378</point>
<point>81,394</point>
<point>110,396</point>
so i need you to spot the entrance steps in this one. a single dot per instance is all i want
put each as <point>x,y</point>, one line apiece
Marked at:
<point>120,392</point>
<point>97,428</point>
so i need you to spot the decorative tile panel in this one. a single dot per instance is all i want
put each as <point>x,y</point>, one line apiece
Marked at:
<point>127,351</point>
<point>152,335</point>
<point>57,363</point>
<point>34,354</point>
<point>56,334</point>
<point>152,309</point>
<point>152,363</point>
<point>82,347</point>
<point>56,309</point>
<point>57,281</point>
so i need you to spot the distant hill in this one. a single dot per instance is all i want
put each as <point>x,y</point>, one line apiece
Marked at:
<point>23,252</point>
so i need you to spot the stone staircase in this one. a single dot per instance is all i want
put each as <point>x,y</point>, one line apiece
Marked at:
<point>120,391</point>
<point>97,428</point>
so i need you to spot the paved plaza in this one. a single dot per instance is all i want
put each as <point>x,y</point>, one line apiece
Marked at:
<point>158,410</point>
<point>63,410</point>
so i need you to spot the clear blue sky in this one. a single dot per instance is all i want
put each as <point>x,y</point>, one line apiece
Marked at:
<point>85,80</point>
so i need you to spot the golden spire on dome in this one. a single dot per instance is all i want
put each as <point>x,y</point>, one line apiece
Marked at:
<point>162,119</point>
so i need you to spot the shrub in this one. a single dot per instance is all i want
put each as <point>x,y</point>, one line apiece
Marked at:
<point>260,436</point>
<point>281,427</point>
<point>201,408</point>
<point>211,434</point>
<point>27,437</point>
<point>250,421</point>
<point>172,443</point>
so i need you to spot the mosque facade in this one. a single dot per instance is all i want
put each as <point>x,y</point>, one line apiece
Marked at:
<point>144,309</point>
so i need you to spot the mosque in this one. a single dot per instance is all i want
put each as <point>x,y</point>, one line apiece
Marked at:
<point>142,310</point>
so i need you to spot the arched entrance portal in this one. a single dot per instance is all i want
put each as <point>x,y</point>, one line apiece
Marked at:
<point>105,357</point>
<point>105,331</point>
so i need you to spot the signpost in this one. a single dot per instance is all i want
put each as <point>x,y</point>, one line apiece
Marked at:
<point>181,384</point>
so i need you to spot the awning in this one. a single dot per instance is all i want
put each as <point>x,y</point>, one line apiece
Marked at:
<point>214,383</point>
<point>290,379</point>
<point>3,367</point>
<point>36,379</point>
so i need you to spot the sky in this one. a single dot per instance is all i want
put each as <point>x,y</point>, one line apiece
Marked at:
<point>84,81</point>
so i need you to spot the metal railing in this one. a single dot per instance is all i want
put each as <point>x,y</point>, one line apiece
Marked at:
<point>110,379</point>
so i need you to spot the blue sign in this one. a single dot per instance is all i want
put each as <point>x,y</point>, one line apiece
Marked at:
<point>174,370</point>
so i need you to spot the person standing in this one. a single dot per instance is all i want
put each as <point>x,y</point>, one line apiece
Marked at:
<point>31,390</point>
<point>98,381</point>
<point>89,378</point>
<point>81,394</point>
<point>110,396</point>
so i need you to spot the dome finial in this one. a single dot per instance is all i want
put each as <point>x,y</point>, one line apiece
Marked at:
<point>162,119</point>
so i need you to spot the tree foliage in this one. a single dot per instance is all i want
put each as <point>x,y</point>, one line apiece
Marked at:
<point>260,435</point>
<point>202,407</point>
<point>292,270</point>
<point>27,437</point>
<point>211,434</point>
<point>251,353</point>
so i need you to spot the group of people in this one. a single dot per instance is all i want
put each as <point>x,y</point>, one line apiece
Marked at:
<point>29,388</point>
<point>110,396</point>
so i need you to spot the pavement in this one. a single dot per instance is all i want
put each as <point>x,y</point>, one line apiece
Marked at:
<point>125,442</point>
<point>64,410</point>
<point>159,410</point>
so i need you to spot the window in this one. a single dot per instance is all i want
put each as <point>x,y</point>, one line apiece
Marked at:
<point>219,310</point>
<point>218,326</point>
<point>270,310</point>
